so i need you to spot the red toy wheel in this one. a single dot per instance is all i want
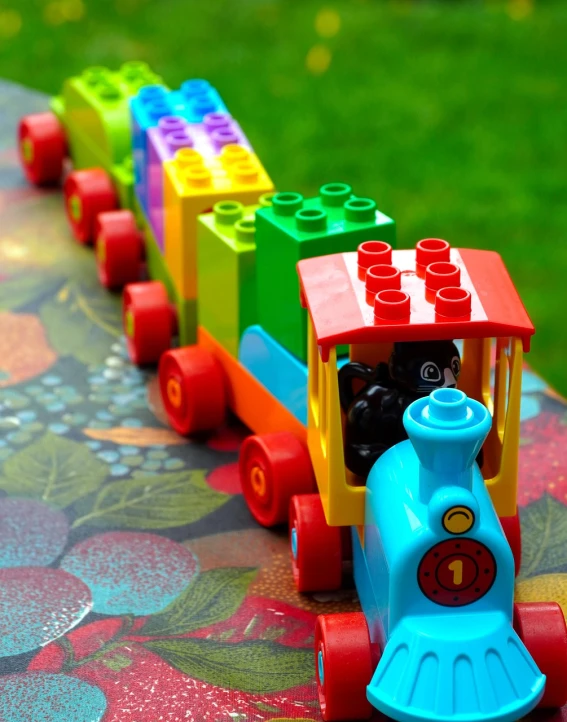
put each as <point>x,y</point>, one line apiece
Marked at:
<point>192,387</point>
<point>344,664</point>
<point>541,627</point>
<point>119,249</point>
<point>513,533</point>
<point>87,193</point>
<point>273,468</point>
<point>42,148</point>
<point>316,549</point>
<point>149,321</point>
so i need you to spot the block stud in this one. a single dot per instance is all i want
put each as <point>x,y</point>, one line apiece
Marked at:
<point>442,275</point>
<point>188,158</point>
<point>335,194</point>
<point>213,121</point>
<point>311,220</point>
<point>228,212</point>
<point>198,177</point>
<point>192,88</point>
<point>430,250</point>
<point>392,305</point>
<point>245,173</point>
<point>158,108</point>
<point>360,210</point>
<point>381,278</point>
<point>287,204</point>
<point>107,91</point>
<point>372,253</point>
<point>134,69</point>
<point>178,139</point>
<point>245,230</point>
<point>169,123</point>
<point>151,93</point>
<point>233,153</point>
<point>453,302</point>
<point>94,75</point>
<point>224,136</point>
<point>203,105</point>
<point>265,200</point>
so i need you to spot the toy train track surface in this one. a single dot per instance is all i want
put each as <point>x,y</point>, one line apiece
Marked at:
<point>362,371</point>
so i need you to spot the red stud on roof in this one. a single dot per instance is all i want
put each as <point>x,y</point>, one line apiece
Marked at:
<point>434,292</point>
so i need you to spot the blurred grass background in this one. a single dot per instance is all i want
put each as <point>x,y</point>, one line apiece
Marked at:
<point>452,115</point>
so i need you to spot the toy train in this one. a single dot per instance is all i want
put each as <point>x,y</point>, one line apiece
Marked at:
<point>338,353</point>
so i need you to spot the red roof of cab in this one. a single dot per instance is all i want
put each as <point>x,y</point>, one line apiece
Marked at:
<point>382,295</point>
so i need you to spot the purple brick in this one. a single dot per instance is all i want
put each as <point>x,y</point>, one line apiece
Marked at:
<point>173,133</point>
<point>164,140</point>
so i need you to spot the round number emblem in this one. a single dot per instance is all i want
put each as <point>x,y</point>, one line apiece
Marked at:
<point>456,572</point>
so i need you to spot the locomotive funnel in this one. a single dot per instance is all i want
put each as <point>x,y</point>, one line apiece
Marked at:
<point>447,430</point>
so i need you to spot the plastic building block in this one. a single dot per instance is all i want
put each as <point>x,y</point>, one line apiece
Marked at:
<point>282,373</point>
<point>432,292</point>
<point>247,397</point>
<point>227,271</point>
<point>295,228</point>
<point>192,185</point>
<point>193,101</point>
<point>94,110</point>
<point>173,133</point>
<point>420,591</point>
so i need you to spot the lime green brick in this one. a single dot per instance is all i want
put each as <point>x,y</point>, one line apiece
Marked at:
<point>95,105</point>
<point>226,271</point>
<point>123,179</point>
<point>294,228</point>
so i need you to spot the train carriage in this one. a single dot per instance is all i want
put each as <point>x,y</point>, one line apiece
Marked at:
<point>144,162</point>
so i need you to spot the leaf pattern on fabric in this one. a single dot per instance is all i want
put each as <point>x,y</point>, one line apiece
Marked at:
<point>212,597</point>
<point>54,469</point>
<point>544,537</point>
<point>153,502</point>
<point>257,666</point>
<point>80,321</point>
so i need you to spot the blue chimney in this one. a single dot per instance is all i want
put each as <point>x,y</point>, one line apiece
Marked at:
<point>447,430</point>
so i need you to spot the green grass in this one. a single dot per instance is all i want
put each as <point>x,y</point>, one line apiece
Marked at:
<point>452,115</point>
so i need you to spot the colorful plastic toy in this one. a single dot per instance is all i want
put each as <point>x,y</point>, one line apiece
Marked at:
<point>437,638</point>
<point>146,161</point>
<point>310,359</point>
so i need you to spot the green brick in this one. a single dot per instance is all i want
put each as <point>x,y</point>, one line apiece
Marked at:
<point>226,271</point>
<point>294,228</point>
<point>123,178</point>
<point>95,105</point>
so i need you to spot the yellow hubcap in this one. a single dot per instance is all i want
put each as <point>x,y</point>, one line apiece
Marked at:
<point>101,249</point>
<point>27,150</point>
<point>174,393</point>
<point>258,481</point>
<point>129,324</point>
<point>75,207</point>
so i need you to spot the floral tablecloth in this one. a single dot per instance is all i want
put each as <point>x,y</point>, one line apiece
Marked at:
<point>134,585</point>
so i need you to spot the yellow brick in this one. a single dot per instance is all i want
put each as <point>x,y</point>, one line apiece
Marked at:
<point>192,185</point>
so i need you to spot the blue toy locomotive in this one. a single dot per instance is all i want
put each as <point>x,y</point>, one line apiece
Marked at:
<point>439,637</point>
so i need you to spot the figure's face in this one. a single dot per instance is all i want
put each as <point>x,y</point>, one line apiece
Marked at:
<point>425,366</point>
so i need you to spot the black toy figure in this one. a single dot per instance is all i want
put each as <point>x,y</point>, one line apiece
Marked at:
<point>374,413</point>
